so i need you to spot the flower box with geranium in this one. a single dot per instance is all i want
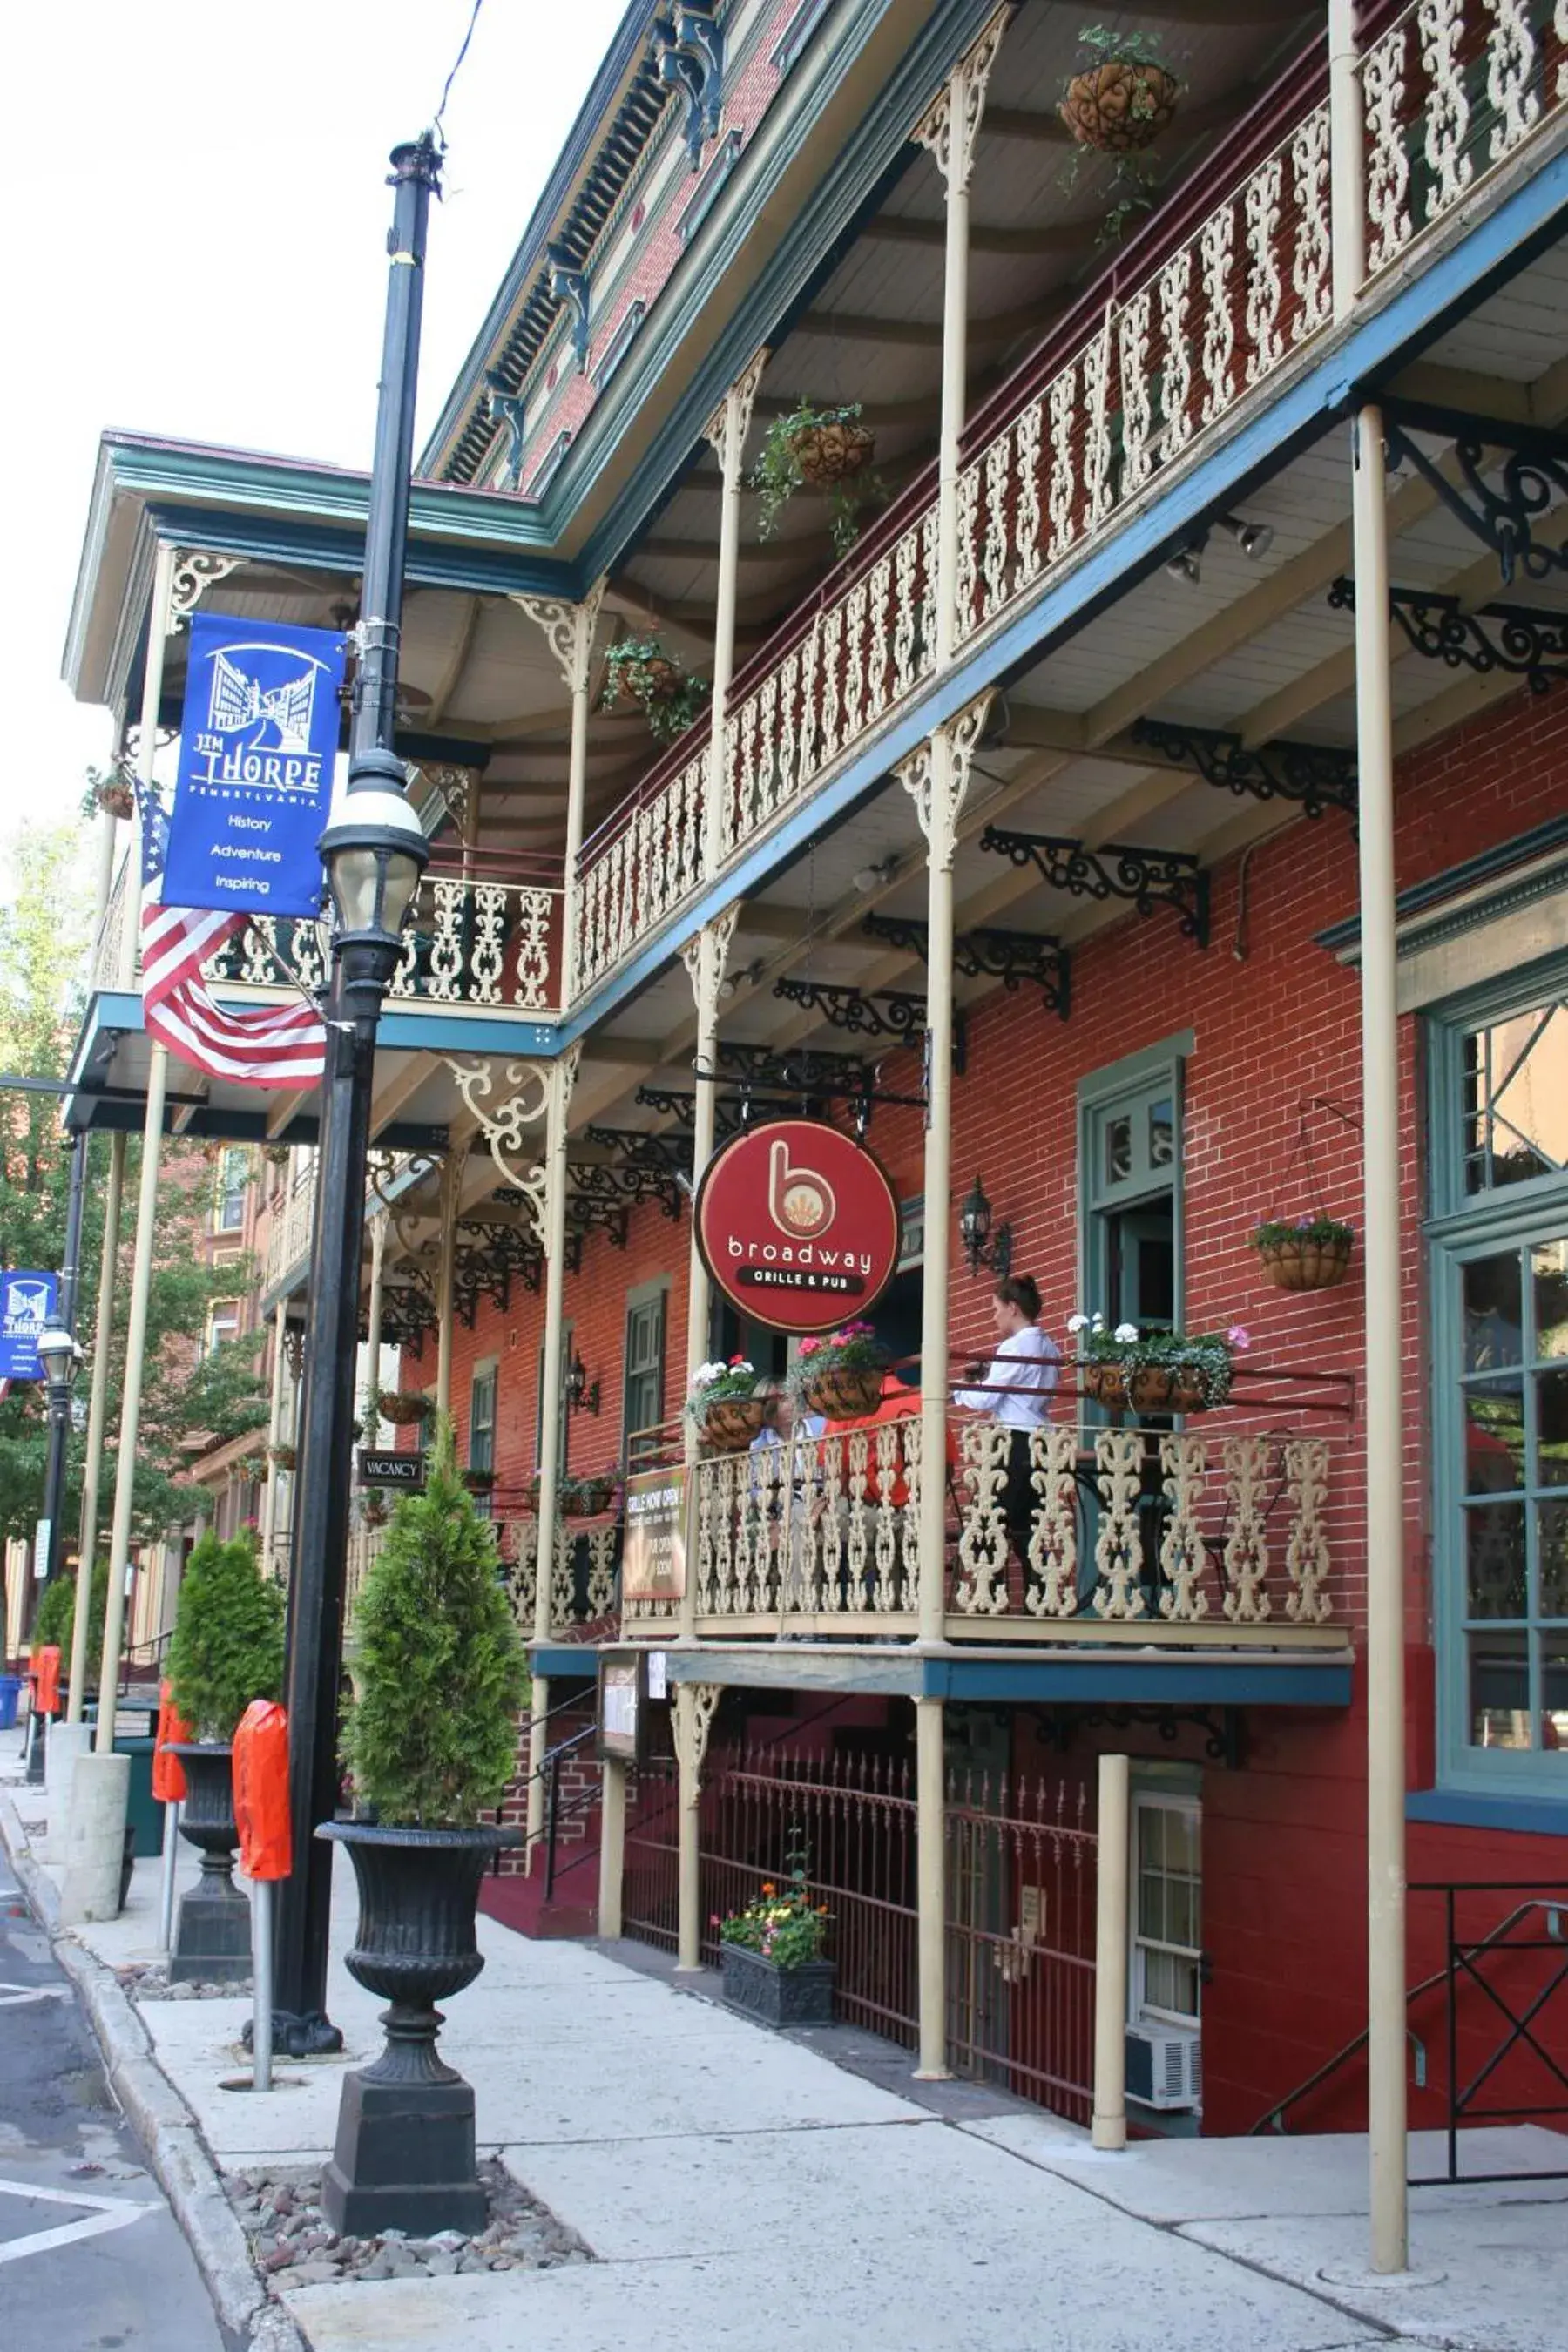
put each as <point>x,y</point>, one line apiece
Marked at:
<point>1304,1253</point>
<point>771,1954</point>
<point>1155,1371</point>
<point>841,1376</point>
<point>727,1404</point>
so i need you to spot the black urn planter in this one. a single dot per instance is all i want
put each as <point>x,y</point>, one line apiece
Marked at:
<point>404,2155</point>
<point>212,1944</point>
<point>775,1995</point>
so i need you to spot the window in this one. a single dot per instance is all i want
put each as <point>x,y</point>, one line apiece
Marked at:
<point>1499,1124</point>
<point>482,1430</point>
<point>643,1402</point>
<point>1166,1975</point>
<point>223,1325</point>
<point>1130,1186</point>
<point>233,1181</point>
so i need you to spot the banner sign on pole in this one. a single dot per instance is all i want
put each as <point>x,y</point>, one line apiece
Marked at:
<point>797,1224</point>
<point>27,1301</point>
<point>257,743</point>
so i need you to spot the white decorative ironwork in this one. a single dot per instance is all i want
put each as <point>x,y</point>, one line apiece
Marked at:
<point>1511,72</point>
<point>1247,1463</point>
<point>1119,1463</point>
<point>195,570</point>
<point>1183,1463</point>
<point>692,1719</point>
<point>569,631</point>
<point>936,777</point>
<point>1387,163</point>
<point>950,132</point>
<point>1307,1546</point>
<point>1441,24</point>
<point>1312,270</point>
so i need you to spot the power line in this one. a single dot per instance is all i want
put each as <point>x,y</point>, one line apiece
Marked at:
<point>451,78</point>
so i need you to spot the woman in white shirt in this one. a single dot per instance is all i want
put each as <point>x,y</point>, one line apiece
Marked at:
<point>1017,1394</point>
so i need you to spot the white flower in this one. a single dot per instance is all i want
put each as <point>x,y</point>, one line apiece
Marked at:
<point>1126,1332</point>
<point>1078,1322</point>
<point>706,1373</point>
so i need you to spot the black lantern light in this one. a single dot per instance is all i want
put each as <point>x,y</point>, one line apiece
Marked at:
<point>981,1247</point>
<point>581,1396</point>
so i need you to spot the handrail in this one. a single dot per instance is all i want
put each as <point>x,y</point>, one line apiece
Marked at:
<point>1272,2119</point>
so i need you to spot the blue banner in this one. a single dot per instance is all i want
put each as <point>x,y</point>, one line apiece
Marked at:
<point>27,1302</point>
<point>258,742</point>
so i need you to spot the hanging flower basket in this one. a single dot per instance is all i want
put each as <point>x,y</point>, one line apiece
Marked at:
<point>1156,1371</point>
<point>730,1423</point>
<point>403,1407</point>
<point>827,449</point>
<point>589,1497</point>
<point>832,451</point>
<point>114,795</point>
<point>639,670</point>
<point>840,1377</point>
<point>479,1482</point>
<point>1120,106</point>
<point>282,1457</point>
<point>1314,1254</point>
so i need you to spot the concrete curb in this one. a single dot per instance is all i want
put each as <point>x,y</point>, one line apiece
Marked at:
<point>185,2170</point>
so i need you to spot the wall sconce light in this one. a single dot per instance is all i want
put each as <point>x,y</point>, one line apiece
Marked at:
<point>982,1247</point>
<point>580,1396</point>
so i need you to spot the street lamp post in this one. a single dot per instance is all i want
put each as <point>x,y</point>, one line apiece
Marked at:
<point>374,852</point>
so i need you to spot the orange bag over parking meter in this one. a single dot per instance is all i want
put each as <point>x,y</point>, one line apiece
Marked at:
<point>45,1672</point>
<point>168,1773</point>
<point>261,1790</point>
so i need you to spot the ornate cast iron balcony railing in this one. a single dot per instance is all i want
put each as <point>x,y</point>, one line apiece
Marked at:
<point>583,1576</point>
<point>1216,1533</point>
<point>480,934</point>
<point>1450,91</point>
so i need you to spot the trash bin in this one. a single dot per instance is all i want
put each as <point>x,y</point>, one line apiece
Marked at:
<point>143,1814</point>
<point>10,1692</point>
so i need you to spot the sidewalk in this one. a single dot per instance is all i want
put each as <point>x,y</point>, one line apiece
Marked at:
<point>740,2190</point>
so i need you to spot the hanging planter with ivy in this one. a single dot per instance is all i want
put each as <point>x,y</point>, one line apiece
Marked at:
<point>111,790</point>
<point>638,670</point>
<point>1123,98</point>
<point>1307,1253</point>
<point>827,449</point>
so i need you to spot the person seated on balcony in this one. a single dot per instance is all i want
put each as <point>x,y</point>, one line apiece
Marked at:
<point>1016,1395</point>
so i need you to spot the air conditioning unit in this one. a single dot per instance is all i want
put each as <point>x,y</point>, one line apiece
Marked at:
<point>1164,2066</point>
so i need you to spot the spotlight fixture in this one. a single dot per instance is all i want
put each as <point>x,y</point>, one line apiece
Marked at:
<point>1187,564</point>
<point>748,977</point>
<point>875,877</point>
<point>1253,539</point>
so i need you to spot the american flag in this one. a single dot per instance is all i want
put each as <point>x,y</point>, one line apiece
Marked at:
<point>273,1045</point>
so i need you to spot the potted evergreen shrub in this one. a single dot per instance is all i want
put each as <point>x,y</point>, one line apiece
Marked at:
<point>227,1649</point>
<point>771,1953</point>
<point>430,1742</point>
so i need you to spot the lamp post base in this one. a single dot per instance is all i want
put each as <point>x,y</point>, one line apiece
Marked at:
<point>312,2035</point>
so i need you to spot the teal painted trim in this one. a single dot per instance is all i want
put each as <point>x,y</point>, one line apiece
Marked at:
<point>1452,883</point>
<point>565,1661</point>
<point>1184,1680</point>
<point>483,571</point>
<point>1529,1816</point>
<point>406,1029</point>
<point>1259,449</point>
<point>1136,1069</point>
<point>315,493</point>
<point>1453,1211</point>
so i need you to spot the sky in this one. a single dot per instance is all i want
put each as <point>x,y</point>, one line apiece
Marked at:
<point>199,248</point>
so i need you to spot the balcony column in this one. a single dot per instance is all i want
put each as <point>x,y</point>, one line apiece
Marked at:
<point>446,1278</point>
<point>563,1078</point>
<point>1347,158</point>
<point>930,1888</point>
<point>274,1440</point>
<point>1111,1865</point>
<point>97,1416</point>
<point>569,629</point>
<point>691,1723</point>
<point>1383,1343</point>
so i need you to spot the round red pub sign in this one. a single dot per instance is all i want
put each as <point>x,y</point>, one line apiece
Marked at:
<point>797,1224</point>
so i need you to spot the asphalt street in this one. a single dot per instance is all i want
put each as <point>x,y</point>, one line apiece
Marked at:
<point>92,2260</point>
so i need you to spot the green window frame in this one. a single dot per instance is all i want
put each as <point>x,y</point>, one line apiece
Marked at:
<point>1129,1146</point>
<point>643,1356</point>
<point>1496,1243</point>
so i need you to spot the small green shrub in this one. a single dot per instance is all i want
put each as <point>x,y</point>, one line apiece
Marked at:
<point>228,1647</point>
<point>439,1669</point>
<point>56,1611</point>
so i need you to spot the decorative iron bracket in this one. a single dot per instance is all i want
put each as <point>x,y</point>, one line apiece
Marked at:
<point>795,1069</point>
<point>1534,472</point>
<point>625,1185</point>
<point>1318,775</point>
<point>641,1147</point>
<point>731,1112</point>
<point>688,52</point>
<point>1146,878</point>
<point>872,1012</point>
<point>1017,959</point>
<point>483,1267</point>
<point>1529,645</point>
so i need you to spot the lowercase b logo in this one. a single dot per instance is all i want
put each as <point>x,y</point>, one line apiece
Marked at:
<point>800,1202</point>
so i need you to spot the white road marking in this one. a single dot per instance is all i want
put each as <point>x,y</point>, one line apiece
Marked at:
<point>12,1996</point>
<point>108,2214</point>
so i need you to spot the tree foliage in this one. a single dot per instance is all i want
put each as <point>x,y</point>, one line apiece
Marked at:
<point>439,1669</point>
<point>56,1619</point>
<point>187,1401</point>
<point>227,1644</point>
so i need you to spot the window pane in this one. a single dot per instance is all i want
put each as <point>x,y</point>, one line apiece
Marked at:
<point>1162,1133</point>
<point>1495,1550</point>
<point>1554,1692</point>
<point>1151,1904</point>
<point>1552,1556</point>
<point>1551,1428</point>
<point>1493,1320</point>
<point>1548,1262</point>
<point>1500,1690</point>
<point>1118,1149</point>
<point>1171,1983</point>
<point>1529,1094</point>
<point>1494,1437</point>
